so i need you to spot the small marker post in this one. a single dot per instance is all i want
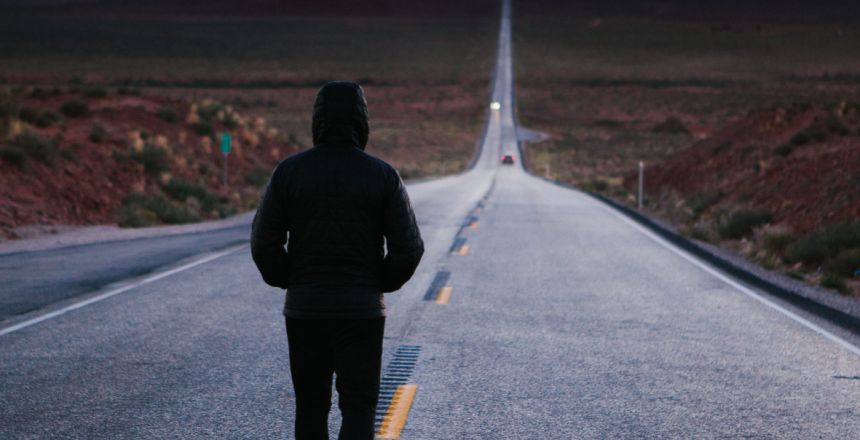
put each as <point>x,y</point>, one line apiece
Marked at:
<point>641,182</point>
<point>225,148</point>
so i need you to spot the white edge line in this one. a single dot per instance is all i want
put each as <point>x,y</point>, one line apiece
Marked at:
<point>743,289</point>
<point>106,295</point>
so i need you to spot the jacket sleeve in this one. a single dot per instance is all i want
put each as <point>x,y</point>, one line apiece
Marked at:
<point>403,239</point>
<point>268,237</point>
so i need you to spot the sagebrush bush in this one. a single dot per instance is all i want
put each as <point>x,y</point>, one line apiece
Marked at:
<point>208,112</point>
<point>37,147</point>
<point>168,114</point>
<point>258,177</point>
<point>784,150</point>
<point>845,264</point>
<point>204,129</point>
<point>741,223</point>
<point>16,157</point>
<point>125,91</point>
<point>153,159</point>
<point>97,92</point>
<point>74,108</point>
<point>48,117</point>
<point>98,132</point>
<point>800,138</point>
<point>774,240</point>
<point>230,122</point>
<point>671,125</point>
<point>181,189</point>
<point>70,155</point>
<point>835,282</point>
<point>826,243</point>
<point>140,210</point>
<point>40,93</point>
<point>28,115</point>
<point>699,201</point>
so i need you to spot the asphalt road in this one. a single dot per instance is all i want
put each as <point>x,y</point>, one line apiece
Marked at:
<point>564,321</point>
<point>34,280</point>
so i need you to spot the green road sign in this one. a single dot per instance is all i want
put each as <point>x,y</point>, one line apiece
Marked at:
<point>225,143</point>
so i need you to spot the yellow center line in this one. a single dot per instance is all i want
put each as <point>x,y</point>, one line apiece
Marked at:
<point>479,209</point>
<point>474,225</point>
<point>464,249</point>
<point>444,295</point>
<point>398,410</point>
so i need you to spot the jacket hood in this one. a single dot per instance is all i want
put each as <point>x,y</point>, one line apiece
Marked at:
<point>340,115</point>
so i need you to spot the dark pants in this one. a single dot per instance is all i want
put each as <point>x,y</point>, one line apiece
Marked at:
<point>350,348</point>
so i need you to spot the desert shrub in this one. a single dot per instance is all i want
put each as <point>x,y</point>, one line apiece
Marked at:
<point>98,132</point>
<point>70,155</point>
<point>37,147</point>
<point>208,112</point>
<point>204,129</point>
<point>700,201</point>
<point>170,213</point>
<point>230,122</point>
<point>7,109</point>
<point>48,117</point>
<point>609,123</point>
<point>16,157</point>
<point>153,159</point>
<point>28,115</point>
<point>845,264</point>
<point>97,92</point>
<point>74,108</point>
<point>817,247</point>
<point>784,150</point>
<point>671,125</point>
<point>835,282</point>
<point>181,189</point>
<point>773,239</point>
<point>722,147</point>
<point>131,91</point>
<point>139,210</point>
<point>800,138</point>
<point>258,177</point>
<point>168,113</point>
<point>40,93</point>
<point>746,149</point>
<point>740,223</point>
<point>834,124</point>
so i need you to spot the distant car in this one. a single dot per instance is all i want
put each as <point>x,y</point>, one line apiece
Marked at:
<point>508,158</point>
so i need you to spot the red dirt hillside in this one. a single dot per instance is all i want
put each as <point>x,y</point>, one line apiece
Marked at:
<point>800,163</point>
<point>77,164</point>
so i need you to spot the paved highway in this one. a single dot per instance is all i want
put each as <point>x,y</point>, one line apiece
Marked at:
<point>563,320</point>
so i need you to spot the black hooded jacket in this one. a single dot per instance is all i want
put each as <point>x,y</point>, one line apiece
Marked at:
<point>341,207</point>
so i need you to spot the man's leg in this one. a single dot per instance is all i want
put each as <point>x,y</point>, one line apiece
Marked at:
<point>357,345</point>
<point>312,368</point>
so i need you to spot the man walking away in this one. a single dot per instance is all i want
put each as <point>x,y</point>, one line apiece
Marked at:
<point>341,207</point>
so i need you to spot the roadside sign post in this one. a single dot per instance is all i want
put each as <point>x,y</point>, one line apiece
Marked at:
<point>225,148</point>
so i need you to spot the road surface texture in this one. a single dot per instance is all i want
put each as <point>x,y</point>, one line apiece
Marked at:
<point>564,320</point>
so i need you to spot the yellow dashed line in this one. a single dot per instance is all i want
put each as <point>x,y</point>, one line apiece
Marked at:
<point>444,295</point>
<point>464,249</point>
<point>474,225</point>
<point>398,410</point>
